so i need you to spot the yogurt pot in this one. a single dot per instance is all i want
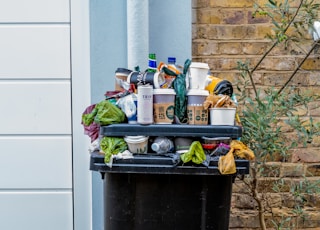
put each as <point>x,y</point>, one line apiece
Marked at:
<point>137,144</point>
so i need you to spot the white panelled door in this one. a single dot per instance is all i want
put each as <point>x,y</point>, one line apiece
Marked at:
<point>36,137</point>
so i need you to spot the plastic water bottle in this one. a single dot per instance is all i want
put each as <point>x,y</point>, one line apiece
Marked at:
<point>172,65</point>
<point>162,145</point>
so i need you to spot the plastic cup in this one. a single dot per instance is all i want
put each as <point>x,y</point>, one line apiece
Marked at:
<point>198,72</point>
<point>163,106</point>
<point>197,115</point>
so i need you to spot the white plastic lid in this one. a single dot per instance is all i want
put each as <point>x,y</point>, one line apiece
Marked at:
<point>197,92</point>
<point>199,65</point>
<point>164,91</point>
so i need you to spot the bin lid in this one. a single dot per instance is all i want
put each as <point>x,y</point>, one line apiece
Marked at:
<point>162,164</point>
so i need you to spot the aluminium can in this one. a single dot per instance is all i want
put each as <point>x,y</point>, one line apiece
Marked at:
<point>145,104</point>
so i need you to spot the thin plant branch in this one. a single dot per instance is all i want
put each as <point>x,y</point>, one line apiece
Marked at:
<point>315,44</point>
<point>270,49</point>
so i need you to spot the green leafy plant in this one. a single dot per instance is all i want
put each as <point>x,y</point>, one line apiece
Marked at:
<point>268,114</point>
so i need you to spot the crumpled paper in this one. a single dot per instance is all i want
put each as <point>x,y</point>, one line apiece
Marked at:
<point>226,164</point>
<point>218,101</point>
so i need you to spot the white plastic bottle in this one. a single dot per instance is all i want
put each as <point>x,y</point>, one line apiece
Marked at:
<point>162,145</point>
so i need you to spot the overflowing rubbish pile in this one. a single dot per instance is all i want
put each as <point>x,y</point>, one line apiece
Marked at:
<point>167,94</point>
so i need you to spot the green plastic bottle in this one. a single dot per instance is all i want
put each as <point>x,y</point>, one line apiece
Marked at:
<point>152,66</point>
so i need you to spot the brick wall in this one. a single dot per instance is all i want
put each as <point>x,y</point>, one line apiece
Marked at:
<point>244,214</point>
<point>223,32</point>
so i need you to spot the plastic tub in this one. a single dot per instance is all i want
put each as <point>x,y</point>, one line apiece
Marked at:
<point>137,144</point>
<point>163,105</point>
<point>222,116</point>
<point>213,142</point>
<point>198,75</point>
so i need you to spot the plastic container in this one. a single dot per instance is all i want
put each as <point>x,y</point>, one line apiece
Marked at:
<point>216,140</point>
<point>163,105</point>
<point>213,142</point>
<point>162,145</point>
<point>137,144</point>
<point>198,74</point>
<point>222,116</point>
<point>197,115</point>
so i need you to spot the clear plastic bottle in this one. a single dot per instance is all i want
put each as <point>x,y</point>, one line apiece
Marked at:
<point>172,65</point>
<point>162,145</point>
